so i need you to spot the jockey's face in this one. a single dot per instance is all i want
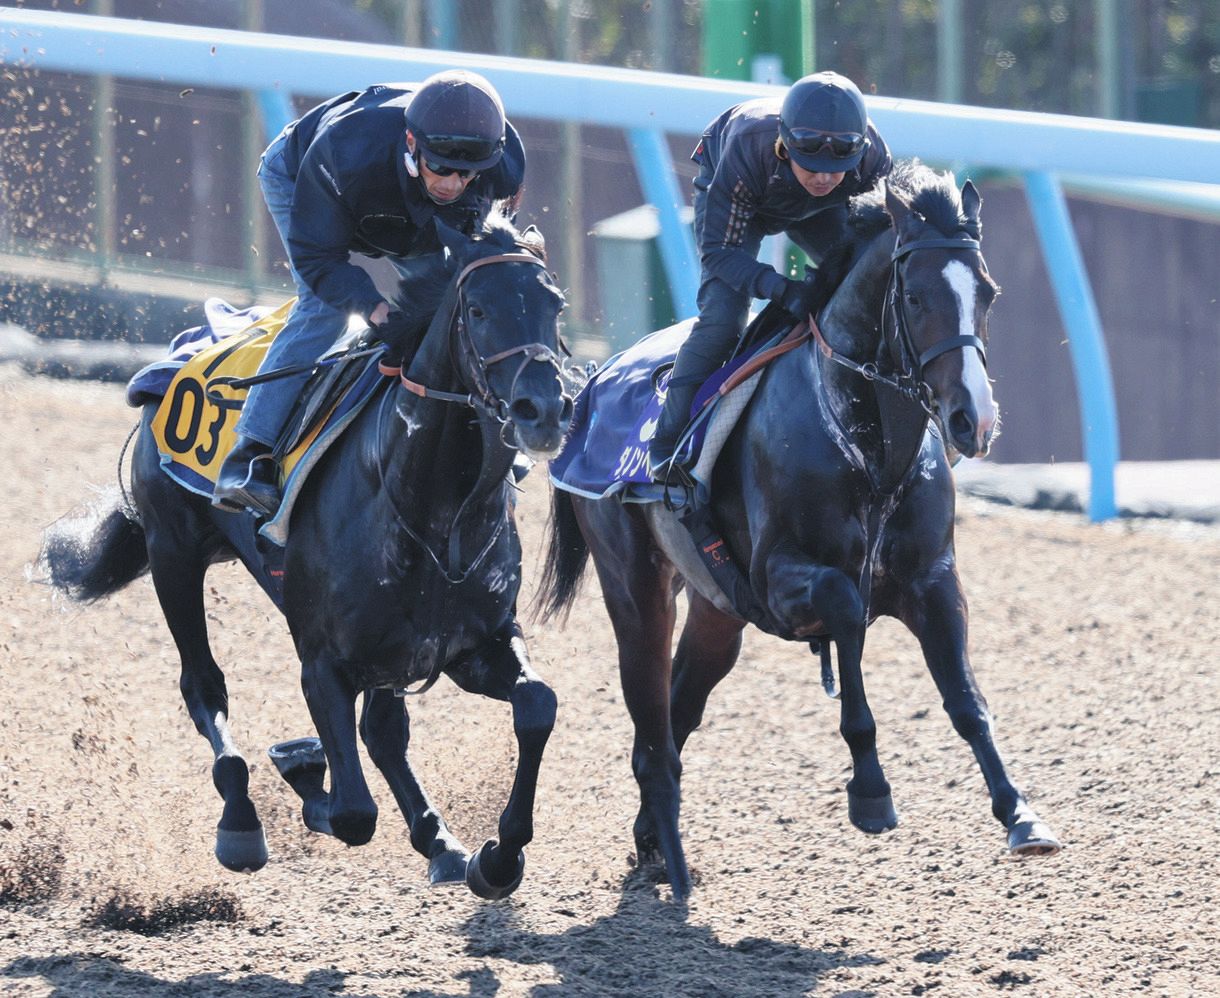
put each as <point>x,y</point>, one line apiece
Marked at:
<point>441,189</point>
<point>817,184</point>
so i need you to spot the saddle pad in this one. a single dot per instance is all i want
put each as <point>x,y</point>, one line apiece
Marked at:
<point>221,320</point>
<point>606,452</point>
<point>193,434</point>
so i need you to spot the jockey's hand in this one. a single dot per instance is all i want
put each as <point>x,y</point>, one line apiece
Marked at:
<point>397,333</point>
<point>798,299</point>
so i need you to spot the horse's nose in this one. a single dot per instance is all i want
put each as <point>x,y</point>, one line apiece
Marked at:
<point>970,431</point>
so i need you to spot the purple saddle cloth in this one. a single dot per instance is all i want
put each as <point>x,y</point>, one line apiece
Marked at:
<point>606,452</point>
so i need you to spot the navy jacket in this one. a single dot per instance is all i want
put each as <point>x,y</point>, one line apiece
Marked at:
<point>354,194</point>
<point>750,192</point>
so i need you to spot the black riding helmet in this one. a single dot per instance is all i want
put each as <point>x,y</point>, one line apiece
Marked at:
<point>823,123</point>
<point>457,119</point>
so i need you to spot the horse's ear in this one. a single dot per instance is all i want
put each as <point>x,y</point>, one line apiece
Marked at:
<point>533,241</point>
<point>903,215</point>
<point>457,243</point>
<point>972,201</point>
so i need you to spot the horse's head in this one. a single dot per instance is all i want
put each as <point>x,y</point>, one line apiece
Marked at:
<point>940,296</point>
<point>505,336</point>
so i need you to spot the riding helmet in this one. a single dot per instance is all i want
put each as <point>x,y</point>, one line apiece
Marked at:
<point>457,119</point>
<point>823,123</point>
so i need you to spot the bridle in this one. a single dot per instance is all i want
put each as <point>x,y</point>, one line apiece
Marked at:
<point>908,381</point>
<point>466,357</point>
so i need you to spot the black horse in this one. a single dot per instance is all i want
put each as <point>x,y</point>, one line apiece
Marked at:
<point>402,562</point>
<point>835,497</point>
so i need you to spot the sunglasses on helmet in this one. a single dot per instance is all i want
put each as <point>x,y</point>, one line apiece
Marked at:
<point>810,142</point>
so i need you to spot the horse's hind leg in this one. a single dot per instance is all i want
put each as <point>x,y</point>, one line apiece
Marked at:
<point>939,620</point>
<point>707,652</point>
<point>178,570</point>
<point>638,584</point>
<point>501,670</point>
<point>386,730</point>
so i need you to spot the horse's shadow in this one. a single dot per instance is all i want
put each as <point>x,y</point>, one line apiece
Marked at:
<point>71,975</point>
<point>648,946</point>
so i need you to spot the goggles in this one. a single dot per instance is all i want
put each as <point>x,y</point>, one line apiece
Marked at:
<point>810,142</point>
<point>470,148</point>
<point>441,170</point>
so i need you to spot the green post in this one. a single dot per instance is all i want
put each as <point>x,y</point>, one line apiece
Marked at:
<point>735,31</point>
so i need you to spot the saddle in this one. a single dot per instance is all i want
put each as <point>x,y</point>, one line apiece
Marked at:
<point>194,426</point>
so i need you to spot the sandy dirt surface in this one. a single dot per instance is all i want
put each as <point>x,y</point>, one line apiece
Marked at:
<point>1098,647</point>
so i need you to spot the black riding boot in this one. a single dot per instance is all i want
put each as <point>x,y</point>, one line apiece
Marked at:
<point>674,417</point>
<point>248,479</point>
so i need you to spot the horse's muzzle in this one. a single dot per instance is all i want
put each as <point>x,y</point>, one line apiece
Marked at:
<point>540,425</point>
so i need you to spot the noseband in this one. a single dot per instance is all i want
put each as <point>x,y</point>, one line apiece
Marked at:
<point>465,355</point>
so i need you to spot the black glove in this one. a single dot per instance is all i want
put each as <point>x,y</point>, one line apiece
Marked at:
<point>798,298</point>
<point>399,333</point>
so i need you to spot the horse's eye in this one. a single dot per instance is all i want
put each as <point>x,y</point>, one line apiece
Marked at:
<point>912,300</point>
<point>476,312</point>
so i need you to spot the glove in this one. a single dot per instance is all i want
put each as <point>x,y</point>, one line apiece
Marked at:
<point>399,333</point>
<point>798,298</point>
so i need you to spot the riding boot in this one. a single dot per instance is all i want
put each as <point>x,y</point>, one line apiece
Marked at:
<point>248,479</point>
<point>674,417</point>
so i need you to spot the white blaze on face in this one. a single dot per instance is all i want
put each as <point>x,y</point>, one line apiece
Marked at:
<point>974,375</point>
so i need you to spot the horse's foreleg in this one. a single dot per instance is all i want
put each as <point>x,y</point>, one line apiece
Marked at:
<point>386,730</point>
<point>178,573</point>
<point>502,671</point>
<point>347,812</point>
<point>802,595</point>
<point>938,617</point>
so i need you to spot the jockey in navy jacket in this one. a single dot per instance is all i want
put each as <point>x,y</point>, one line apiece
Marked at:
<point>366,172</point>
<point>354,193</point>
<point>749,190</point>
<point>766,166</point>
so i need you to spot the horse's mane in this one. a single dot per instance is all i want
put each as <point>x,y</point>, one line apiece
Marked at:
<point>498,226</point>
<point>933,195</point>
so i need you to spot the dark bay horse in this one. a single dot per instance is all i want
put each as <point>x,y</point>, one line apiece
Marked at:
<point>403,562</point>
<point>835,497</point>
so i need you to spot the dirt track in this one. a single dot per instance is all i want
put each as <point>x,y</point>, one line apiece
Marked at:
<point>1098,647</point>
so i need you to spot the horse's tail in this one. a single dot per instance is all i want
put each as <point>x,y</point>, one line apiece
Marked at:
<point>94,553</point>
<point>567,556</point>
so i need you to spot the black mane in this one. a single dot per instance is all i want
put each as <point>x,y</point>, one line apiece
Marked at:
<point>933,195</point>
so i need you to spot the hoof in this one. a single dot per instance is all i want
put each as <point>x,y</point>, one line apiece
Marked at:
<point>1032,838</point>
<point>241,852</point>
<point>484,888</point>
<point>302,763</point>
<point>448,868</point>
<point>873,815</point>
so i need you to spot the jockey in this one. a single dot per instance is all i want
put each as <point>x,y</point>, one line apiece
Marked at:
<point>367,172</point>
<point>766,167</point>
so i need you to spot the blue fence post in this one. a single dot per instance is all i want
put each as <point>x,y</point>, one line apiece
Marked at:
<point>1091,363</point>
<point>655,168</point>
<point>276,108</point>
